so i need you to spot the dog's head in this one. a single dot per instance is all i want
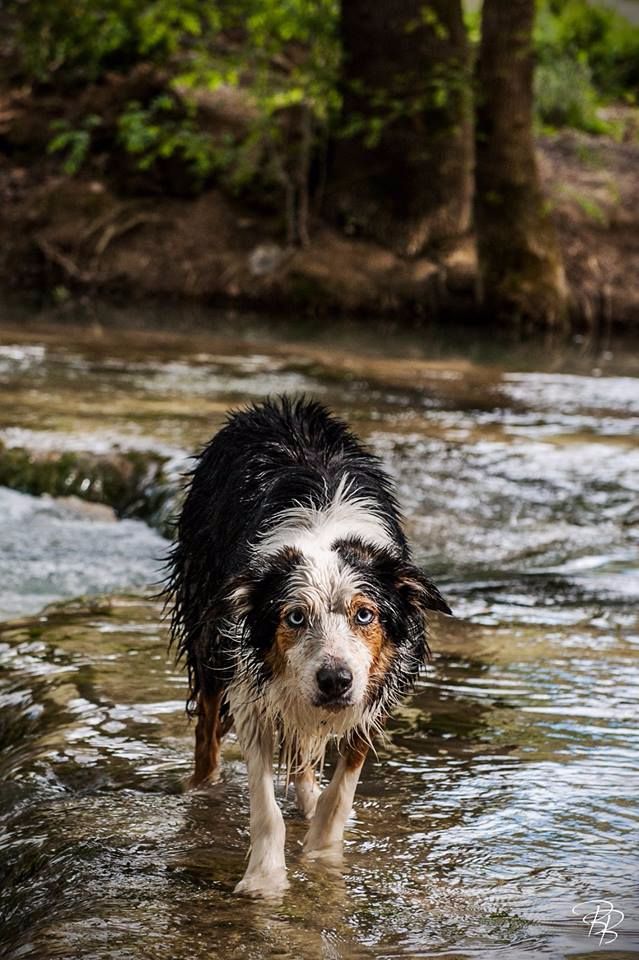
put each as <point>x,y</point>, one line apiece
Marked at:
<point>339,624</point>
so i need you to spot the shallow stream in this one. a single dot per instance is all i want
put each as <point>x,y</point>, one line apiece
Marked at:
<point>506,796</point>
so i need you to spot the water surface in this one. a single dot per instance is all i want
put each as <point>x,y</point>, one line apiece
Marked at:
<point>506,793</point>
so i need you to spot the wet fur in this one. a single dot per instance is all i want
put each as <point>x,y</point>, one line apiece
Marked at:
<point>285,506</point>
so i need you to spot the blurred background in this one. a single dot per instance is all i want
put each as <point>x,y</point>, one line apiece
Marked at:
<point>426,215</point>
<point>429,159</point>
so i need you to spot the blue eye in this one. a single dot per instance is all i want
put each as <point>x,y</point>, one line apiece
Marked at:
<point>364,616</point>
<point>295,618</point>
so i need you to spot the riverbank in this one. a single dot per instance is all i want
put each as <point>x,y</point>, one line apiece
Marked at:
<point>99,234</point>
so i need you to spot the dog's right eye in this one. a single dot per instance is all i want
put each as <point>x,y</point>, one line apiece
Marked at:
<point>295,618</point>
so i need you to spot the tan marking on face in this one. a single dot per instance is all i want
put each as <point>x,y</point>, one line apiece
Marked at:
<point>380,668</point>
<point>371,633</point>
<point>375,638</point>
<point>285,638</point>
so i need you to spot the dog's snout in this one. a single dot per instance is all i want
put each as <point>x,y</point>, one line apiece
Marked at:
<point>334,681</point>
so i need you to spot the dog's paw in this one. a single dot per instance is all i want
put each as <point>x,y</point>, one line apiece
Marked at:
<point>262,885</point>
<point>331,854</point>
<point>307,804</point>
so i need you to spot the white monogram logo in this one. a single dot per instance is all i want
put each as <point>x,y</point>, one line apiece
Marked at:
<point>601,917</point>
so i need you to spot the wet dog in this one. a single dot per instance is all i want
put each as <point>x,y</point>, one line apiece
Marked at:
<point>299,612</point>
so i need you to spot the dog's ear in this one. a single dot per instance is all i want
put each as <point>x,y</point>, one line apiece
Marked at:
<point>254,597</point>
<point>418,591</point>
<point>237,596</point>
<point>413,587</point>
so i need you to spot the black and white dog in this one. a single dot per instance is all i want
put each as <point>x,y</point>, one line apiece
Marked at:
<point>298,610</point>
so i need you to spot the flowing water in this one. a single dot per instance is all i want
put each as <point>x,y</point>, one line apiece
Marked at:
<point>505,799</point>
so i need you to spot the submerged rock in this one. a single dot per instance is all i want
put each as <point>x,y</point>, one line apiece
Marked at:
<point>133,483</point>
<point>265,259</point>
<point>85,508</point>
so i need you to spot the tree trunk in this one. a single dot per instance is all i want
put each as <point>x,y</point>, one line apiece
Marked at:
<point>520,267</point>
<point>402,162</point>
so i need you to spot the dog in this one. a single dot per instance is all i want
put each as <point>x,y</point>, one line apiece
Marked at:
<point>299,612</point>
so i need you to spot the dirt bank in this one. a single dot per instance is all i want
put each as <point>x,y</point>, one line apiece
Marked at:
<point>61,233</point>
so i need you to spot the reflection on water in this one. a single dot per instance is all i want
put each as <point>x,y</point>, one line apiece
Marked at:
<point>506,791</point>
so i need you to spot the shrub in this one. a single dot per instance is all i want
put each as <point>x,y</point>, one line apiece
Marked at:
<point>587,55</point>
<point>602,38</point>
<point>165,129</point>
<point>75,41</point>
<point>565,95</point>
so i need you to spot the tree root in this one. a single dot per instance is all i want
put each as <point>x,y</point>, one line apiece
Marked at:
<point>107,229</point>
<point>60,259</point>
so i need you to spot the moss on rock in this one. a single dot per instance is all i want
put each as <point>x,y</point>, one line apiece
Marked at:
<point>135,484</point>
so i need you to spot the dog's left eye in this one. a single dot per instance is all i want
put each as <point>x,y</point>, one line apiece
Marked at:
<point>364,616</point>
<point>295,618</point>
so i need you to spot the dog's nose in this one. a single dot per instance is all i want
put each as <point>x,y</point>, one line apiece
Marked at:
<point>334,682</point>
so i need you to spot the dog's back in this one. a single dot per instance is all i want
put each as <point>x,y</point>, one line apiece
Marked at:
<point>265,460</point>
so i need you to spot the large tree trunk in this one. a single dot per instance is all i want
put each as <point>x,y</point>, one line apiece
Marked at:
<point>402,164</point>
<point>520,266</point>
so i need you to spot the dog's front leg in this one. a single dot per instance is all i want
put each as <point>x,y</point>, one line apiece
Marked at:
<point>326,831</point>
<point>307,792</point>
<point>266,871</point>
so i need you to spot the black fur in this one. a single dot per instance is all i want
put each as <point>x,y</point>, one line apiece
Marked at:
<point>264,460</point>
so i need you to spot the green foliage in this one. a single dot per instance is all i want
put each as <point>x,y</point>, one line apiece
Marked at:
<point>74,143</point>
<point>472,22</point>
<point>75,41</point>
<point>587,55</point>
<point>287,48</point>
<point>565,95</point>
<point>167,128</point>
<point>439,87</point>
<point>164,27</point>
<point>286,53</point>
<point>72,38</point>
<point>592,210</point>
<point>283,53</point>
<point>597,35</point>
<point>428,18</point>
